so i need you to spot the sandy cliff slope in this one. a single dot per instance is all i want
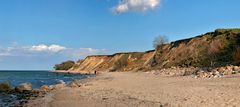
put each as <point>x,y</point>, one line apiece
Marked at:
<point>117,62</point>
<point>218,48</point>
<point>213,49</point>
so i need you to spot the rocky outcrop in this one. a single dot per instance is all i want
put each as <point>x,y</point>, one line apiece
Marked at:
<point>213,49</point>
<point>117,62</point>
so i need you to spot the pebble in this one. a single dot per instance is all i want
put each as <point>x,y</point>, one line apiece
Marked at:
<point>217,72</point>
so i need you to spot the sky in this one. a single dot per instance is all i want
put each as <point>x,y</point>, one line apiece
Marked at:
<point>37,34</point>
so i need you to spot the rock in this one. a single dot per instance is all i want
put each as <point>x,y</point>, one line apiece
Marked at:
<point>24,87</point>
<point>234,72</point>
<point>36,90</point>
<point>236,68</point>
<point>45,88</point>
<point>215,76</point>
<point>171,73</point>
<point>227,72</point>
<point>221,69</point>
<point>216,73</point>
<point>5,87</point>
<point>58,86</point>
<point>209,76</point>
<point>74,84</point>
<point>202,74</point>
<point>229,68</point>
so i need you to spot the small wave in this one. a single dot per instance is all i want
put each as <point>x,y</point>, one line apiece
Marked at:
<point>61,81</point>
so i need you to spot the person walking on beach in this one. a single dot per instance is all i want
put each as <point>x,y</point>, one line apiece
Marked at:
<point>95,72</point>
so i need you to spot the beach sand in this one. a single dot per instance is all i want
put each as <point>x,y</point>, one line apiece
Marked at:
<point>145,89</point>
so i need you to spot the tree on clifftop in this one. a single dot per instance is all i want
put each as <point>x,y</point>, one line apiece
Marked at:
<point>160,40</point>
<point>64,65</point>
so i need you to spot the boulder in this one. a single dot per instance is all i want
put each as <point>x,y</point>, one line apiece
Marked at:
<point>234,72</point>
<point>221,69</point>
<point>216,73</point>
<point>58,86</point>
<point>5,87</point>
<point>236,68</point>
<point>24,87</point>
<point>45,88</point>
<point>74,84</point>
<point>229,68</point>
<point>227,72</point>
<point>202,74</point>
<point>216,76</point>
<point>36,90</point>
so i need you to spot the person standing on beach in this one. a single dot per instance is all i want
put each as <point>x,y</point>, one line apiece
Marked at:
<point>95,72</point>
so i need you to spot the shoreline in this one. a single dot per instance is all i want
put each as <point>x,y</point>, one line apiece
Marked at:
<point>127,89</point>
<point>71,72</point>
<point>20,93</point>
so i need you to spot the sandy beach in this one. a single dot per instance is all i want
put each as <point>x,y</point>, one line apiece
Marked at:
<point>145,89</point>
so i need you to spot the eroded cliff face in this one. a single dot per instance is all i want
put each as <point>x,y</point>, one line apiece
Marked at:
<point>117,62</point>
<point>213,49</point>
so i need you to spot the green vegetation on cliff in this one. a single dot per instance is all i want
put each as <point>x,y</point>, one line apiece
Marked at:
<point>213,49</point>
<point>64,65</point>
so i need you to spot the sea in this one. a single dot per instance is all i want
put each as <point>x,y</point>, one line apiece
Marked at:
<point>36,78</point>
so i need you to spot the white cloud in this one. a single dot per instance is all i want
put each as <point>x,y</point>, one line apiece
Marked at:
<point>136,5</point>
<point>42,56</point>
<point>46,48</point>
<point>4,54</point>
<point>49,50</point>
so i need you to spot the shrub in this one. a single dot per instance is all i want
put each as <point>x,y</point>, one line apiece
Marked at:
<point>237,55</point>
<point>160,40</point>
<point>216,47</point>
<point>64,65</point>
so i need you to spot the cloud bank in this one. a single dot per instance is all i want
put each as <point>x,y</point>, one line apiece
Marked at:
<point>42,56</point>
<point>42,49</point>
<point>136,5</point>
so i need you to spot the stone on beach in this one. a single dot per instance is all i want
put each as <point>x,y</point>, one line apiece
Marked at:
<point>5,87</point>
<point>45,88</point>
<point>74,84</point>
<point>24,87</point>
<point>146,90</point>
<point>58,86</point>
<point>236,68</point>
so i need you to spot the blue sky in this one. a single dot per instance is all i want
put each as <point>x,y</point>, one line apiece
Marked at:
<point>36,34</point>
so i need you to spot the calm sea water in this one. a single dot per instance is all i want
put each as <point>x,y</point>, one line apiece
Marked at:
<point>38,78</point>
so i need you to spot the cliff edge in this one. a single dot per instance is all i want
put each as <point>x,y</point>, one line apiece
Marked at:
<point>213,49</point>
<point>116,62</point>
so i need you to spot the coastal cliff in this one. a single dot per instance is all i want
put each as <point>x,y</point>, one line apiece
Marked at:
<point>213,49</point>
<point>116,62</point>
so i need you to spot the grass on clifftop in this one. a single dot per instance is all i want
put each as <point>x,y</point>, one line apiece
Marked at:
<point>229,29</point>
